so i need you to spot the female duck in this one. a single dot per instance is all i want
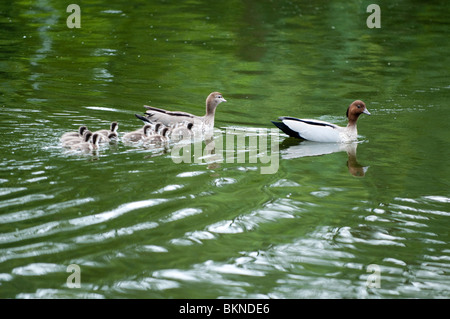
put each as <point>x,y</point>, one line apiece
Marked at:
<point>320,131</point>
<point>171,118</point>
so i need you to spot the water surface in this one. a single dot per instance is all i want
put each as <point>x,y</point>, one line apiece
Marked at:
<point>140,225</point>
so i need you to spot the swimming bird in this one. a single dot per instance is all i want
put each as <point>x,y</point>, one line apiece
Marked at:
<point>113,137</point>
<point>104,135</point>
<point>76,140</point>
<point>155,128</point>
<point>78,133</point>
<point>156,139</point>
<point>169,118</point>
<point>137,135</point>
<point>87,146</point>
<point>181,132</point>
<point>320,131</point>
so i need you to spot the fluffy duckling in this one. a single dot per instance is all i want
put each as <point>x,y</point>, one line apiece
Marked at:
<point>156,140</point>
<point>181,132</point>
<point>113,128</point>
<point>87,146</point>
<point>70,135</point>
<point>76,140</point>
<point>113,137</point>
<point>136,136</point>
<point>104,135</point>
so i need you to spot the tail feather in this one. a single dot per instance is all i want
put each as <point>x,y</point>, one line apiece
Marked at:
<point>286,129</point>
<point>143,118</point>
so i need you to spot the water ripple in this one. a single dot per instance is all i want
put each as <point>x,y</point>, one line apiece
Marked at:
<point>124,231</point>
<point>49,228</point>
<point>33,250</point>
<point>122,209</point>
<point>44,210</point>
<point>37,269</point>
<point>24,199</point>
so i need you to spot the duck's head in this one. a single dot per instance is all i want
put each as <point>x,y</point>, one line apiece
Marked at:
<point>147,129</point>
<point>95,139</point>
<point>82,129</point>
<point>113,136</point>
<point>214,99</point>
<point>114,126</point>
<point>356,109</point>
<point>165,131</point>
<point>157,127</point>
<point>87,135</point>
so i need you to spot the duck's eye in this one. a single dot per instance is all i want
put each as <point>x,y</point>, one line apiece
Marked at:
<point>358,106</point>
<point>219,96</point>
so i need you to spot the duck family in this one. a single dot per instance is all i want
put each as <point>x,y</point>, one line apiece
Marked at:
<point>162,126</point>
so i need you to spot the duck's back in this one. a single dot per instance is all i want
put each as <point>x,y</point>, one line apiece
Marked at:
<point>168,117</point>
<point>313,130</point>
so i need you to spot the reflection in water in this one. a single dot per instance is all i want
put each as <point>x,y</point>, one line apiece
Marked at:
<point>234,145</point>
<point>308,148</point>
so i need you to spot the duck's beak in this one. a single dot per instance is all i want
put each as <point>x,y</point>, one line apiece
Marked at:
<point>223,100</point>
<point>366,111</point>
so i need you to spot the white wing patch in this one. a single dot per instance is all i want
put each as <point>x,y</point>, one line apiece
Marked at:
<point>318,132</point>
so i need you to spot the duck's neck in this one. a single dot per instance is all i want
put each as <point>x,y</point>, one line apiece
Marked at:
<point>351,130</point>
<point>210,112</point>
<point>352,120</point>
<point>351,124</point>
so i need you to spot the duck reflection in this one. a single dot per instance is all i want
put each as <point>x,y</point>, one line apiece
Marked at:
<point>290,150</point>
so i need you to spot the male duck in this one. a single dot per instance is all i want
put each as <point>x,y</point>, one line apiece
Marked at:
<point>320,131</point>
<point>171,118</point>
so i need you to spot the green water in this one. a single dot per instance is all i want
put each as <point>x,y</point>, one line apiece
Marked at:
<point>140,225</point>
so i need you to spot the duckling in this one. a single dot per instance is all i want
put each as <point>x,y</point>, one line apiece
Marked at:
<point>77,140</point>
<point>156,139</point>
<point>110,138</point>
<point>113,137</point>
<point>87,146</point>
<point>69,135</point>
<point>104,134</point>
<point>113,128</point>
<point>136,136</point>
<point>181,132</point>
